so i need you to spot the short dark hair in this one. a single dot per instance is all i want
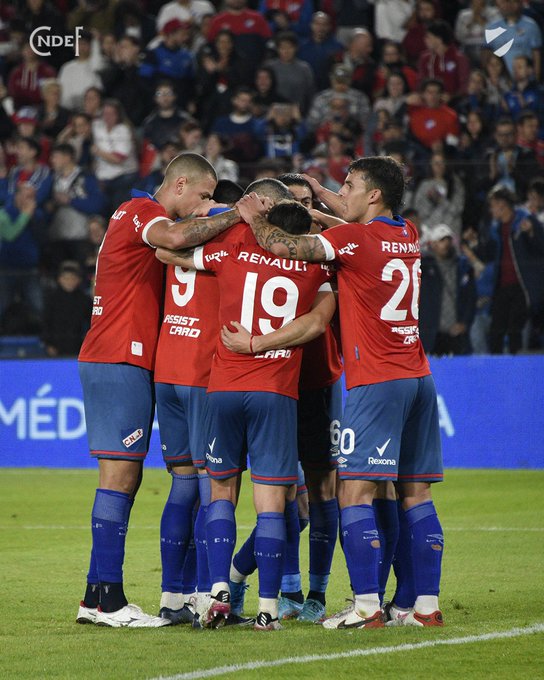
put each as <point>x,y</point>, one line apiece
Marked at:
<point>383,173</point>
<point>442,30</point>
<point>33,144</point>
<point>66,149</point>
<point>269,187</point>
<point>291,216</point>
<point>286,36</point>
<point>524,115</point>
<point>227,192</point>
<point>537,185</point>
<point>502,193</point>
<point>294,179</point>
<point>431,81</point>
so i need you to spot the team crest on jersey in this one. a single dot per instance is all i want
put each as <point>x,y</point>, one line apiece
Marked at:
<point>133,437</point>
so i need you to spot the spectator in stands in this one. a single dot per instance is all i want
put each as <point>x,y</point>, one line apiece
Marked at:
<point>76,76</point>
<point>265,92</point>
<point>392,61</point>
<point>535,198</point>
<point>509,164</point>
<point>36,13</point>
<point>476,98</point>
<point>497,79</point>
<point>527,128</point>
<point>470,28</point>
<point>164,121</point>
<point>27,125</point>
<point>79,134</point>
<point>476,253</point>
<point>53,117</point>
<point>249,28</point>
<point>96,226</point>
<point>349,15</point>
<point>24,79</point>
<point>339,157</point>
<point>67,312</point>
<point>294,78</point>
<point>122,80</point>
<point>184,11</point>
<point>391,17</point>
<point>521,30</point>
<point>75,195</point>
<point>424,14</point>
<point>474,144</point>
<point>338,120</point>
<point>191,136</point>
<point>321,50</point>
<point>448,296</point>
<point>220,71</point>
<point>12,224</point>
<point>93,99</point>
<point>284,131</point>
<point>131,20</point>
<point>518,240</point>
<point>288,15</point>
<point>525,93</point>
<point>432,123</point>
<point>244,131</point>
<point>340,84</point>
<point>441,197</point>
<point>115,152</point>
<point>95,15</point>
<point>358,58</point>
<point>171,59</point>
<point>443,61</point>
<point>224,167</point>
<point>165,153</point>
<point>395,97</point>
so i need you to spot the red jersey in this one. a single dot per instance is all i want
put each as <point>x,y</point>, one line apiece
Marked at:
<point>430,125</point>
<point>379,275</point>
<point>263,292</point>
<point>321,362</point>
<point>128,291</point>
<point>190,326</point>
<point>246,22</point>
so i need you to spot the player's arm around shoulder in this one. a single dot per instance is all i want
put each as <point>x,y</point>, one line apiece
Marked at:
<point>298,332</point>
<point>190,232</point>
<point>179,258</point>
<point>274,239</point>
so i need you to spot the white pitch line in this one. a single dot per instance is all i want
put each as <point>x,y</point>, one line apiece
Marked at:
<point>254,665</point>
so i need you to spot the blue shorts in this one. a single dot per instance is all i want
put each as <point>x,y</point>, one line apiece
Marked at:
<point>181,412</point>
<point>301,481</point>
<point>262,423</point>
<point>316,410</point>
<point>390,431</point>
<point>119,404</point>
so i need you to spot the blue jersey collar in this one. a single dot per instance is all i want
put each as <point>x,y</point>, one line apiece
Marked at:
<point>397,220</point>
<point>136,193</point>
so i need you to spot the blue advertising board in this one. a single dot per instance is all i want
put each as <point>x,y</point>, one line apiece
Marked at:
<point>491,413</point>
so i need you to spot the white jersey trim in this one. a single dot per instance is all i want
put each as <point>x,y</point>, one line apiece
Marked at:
<point>325,288</point>
<point>146,229</point>
<point>329,250</point>
<point>198,258</point>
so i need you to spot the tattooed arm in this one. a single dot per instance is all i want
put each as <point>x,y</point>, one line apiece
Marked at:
<point>277,241</point>
<point>179,258</point>
<point>190,232</point>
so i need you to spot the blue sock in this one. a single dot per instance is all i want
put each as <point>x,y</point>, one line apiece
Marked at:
<point>269,547</point>
<point>361,547</point>
<point>387,521</point>
<point>92,574</point>
<point>405,594</point>
<point>323,532</point>
<point>176,530</point>
<point>427,547</point>
<point>202,570</point>
<point>109,527</point>
<point>291,581</point>
<point>189,570</point>
<point>244,561</point>
<point>221,538</point>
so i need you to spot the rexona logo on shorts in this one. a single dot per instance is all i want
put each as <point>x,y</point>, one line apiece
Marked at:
<point>133,437</point>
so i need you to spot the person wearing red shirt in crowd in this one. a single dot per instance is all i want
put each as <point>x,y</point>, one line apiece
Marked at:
<point>393,62</point>
<point>389,429</point>
<point>432,122</point>
<point>24,81</point>
<point>425,13</point>
<point>527,126</point>
<point>252,397</point>
<point>249,28</point>
<point>443,61</point>
<point>117,358</point>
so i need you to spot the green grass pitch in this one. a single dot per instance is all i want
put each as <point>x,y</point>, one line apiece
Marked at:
<point>493,582</point>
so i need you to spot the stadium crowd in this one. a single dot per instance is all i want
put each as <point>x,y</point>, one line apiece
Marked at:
<point>265,88</point>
